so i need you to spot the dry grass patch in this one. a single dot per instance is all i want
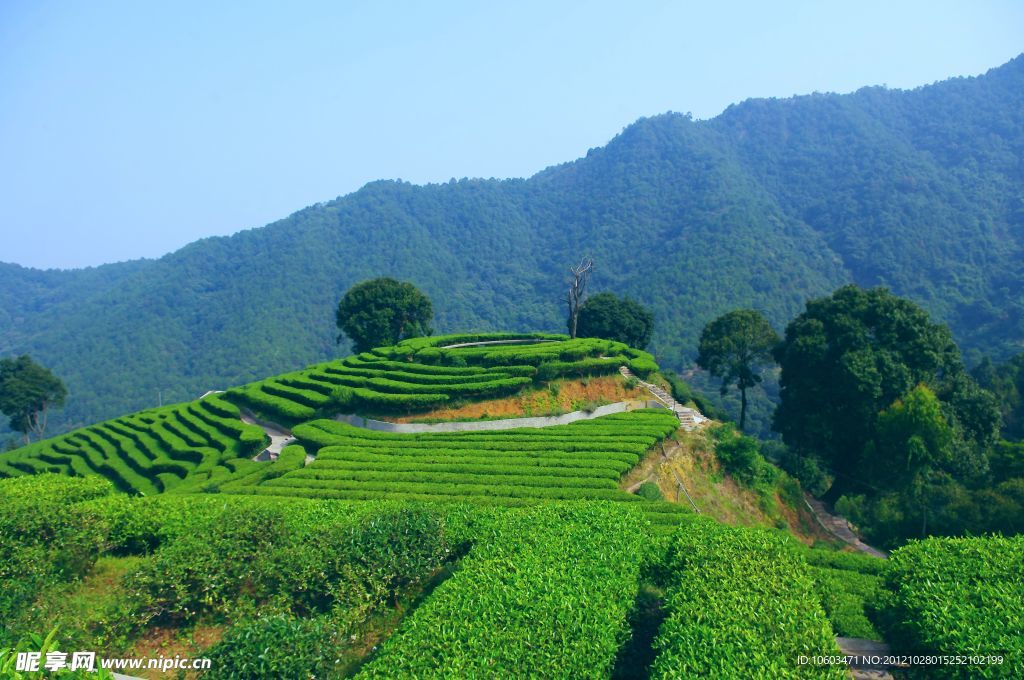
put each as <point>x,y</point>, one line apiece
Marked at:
<point>557,397</point>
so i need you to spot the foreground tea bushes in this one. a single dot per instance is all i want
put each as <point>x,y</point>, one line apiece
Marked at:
<point>45,538</point>
<point>261,558</point>
<point>545,595</point>
<point>741,604</point>
<point>961,596</point>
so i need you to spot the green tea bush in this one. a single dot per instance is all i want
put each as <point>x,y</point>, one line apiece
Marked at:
<point>848,598</point>
<point>285,556</point>
<point>545,595</point>
<point>45,537</point>
<point>276,646</point>
<point>740,605</point>
<point>961,596</point>
<point>650,491</point>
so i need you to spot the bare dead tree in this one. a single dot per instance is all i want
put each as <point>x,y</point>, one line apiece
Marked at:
<point>577,291</point>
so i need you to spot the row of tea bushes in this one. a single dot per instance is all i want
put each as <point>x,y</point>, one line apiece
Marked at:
<point>580,461</point>
<point>741,604</point>
<point>546,595</point>
<point>961,596</point>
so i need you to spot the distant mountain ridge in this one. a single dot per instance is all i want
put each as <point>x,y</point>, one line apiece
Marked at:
<point>770,203</point>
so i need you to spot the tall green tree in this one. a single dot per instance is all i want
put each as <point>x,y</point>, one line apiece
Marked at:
<point>857,353</point>
<point>608,316</point>
<point>27,393</point>
<point>733,347</point>
<point>383,311</point>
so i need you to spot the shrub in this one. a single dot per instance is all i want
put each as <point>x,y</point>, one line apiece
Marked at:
<point>740,604</point>
<point>650,491</point>
<point>546,595</point>
<point>741,458</point>
<point>960,596</point>
<point>45,537</point>
<point>231,557</point>
<point>276,646</point>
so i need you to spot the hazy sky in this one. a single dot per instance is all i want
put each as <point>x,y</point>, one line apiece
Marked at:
<point>128,129</point>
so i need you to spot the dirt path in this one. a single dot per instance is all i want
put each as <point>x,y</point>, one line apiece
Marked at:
<point>279,436</point>
<point>840,528</point>
<point>862,647</point>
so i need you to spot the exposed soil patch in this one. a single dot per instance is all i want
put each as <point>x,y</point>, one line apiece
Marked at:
<point>690,458</point>
<point>559,396</point>
<point>171,642</point>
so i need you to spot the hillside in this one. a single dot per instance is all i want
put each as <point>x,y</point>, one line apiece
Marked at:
<point>379,549</point>
<point>770,203</point>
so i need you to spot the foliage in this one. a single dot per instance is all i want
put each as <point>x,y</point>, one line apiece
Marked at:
<point>684,393</point>
<point>583,460</point>
<point>913,435</point>
<point>547,595</point>
<point>650,491</point>
<point>27,392</point>
<point>857,353</point>
<point>275,646</point>
<point>741,457</point>
<point>383,311</point>
<point>421,373</point>
<point>960,596</point>
<point>937,506</point>
<point>31,642</point>
<point>606,315</point>
<point>45,537</point>
<point>1006,382</point>
<point>148,452</point>
<point>741,604</point>
<point>293,562</point>
<point>732,347</point>
<point>847,598</point>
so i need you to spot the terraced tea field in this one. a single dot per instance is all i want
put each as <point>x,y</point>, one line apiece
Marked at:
<point>148,452</point>
<point>580,461</point>
<point>205,447</point>
<point>421,374</point>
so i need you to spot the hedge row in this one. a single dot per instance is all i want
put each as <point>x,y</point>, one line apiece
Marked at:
<point>417,375</point>
<point>501,478</point>
<point>847,597</point>
<point>741,604</point>
<point>661,514</point>
<point>961,596</point>
<point>560,467</point>
<point>561,612</point>
<point>306,562</point>
<point>429,488</point>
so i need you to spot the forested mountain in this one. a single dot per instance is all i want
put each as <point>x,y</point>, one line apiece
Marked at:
<point>770,203</point>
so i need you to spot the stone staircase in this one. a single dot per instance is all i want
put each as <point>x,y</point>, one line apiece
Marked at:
<point>689,419</point>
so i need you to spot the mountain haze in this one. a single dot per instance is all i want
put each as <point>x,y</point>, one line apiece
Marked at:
<point>770,203</point>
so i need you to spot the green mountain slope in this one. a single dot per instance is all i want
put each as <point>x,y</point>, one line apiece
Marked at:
<point>770,203</point>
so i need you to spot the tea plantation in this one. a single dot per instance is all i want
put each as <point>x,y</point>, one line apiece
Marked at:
<point>439,554</point>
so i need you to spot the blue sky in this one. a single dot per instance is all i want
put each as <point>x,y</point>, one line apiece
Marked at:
<point>128,129</point>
